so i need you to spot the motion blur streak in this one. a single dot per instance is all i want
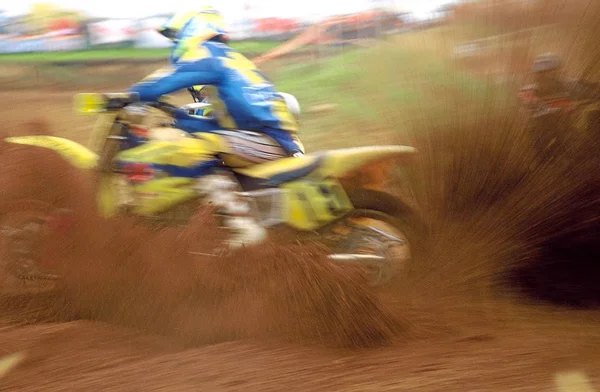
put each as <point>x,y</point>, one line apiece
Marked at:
<point>500,296</point>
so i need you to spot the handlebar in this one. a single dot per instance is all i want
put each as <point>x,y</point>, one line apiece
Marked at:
<point>114,102</point>
<point>118,101</point>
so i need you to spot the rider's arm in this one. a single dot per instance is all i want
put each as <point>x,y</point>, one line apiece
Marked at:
<point>181,76</point>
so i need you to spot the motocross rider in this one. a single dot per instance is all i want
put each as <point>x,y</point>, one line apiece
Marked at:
<point>242,97</point>
<point>258,123</point>
<point>551,96</point>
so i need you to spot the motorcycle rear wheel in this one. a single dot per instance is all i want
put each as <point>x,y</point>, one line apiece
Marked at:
<point>379,234</point>
<point>373,240</point>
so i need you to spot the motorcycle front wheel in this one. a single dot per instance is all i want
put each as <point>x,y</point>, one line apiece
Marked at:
<point>24,229</point>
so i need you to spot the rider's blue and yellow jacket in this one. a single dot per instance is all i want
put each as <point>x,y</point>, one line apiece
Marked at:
<point>243,98</point>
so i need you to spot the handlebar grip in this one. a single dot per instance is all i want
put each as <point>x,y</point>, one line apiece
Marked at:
<point>116,101</point>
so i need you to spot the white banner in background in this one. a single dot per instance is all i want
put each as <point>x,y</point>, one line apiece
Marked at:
<point>112,31</point>
<point>41,44</point>
<point>148,37</point>
<point>65,44</point>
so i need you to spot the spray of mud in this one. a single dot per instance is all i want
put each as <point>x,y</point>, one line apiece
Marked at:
<point>481,202</point>
<point>506,221</point>
<point>495,213</point>
<point>507,228</point>
<point>271,291</point>
<point>166,281</point>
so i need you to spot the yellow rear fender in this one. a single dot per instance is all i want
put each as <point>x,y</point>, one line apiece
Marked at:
<point>74,153</point>
<point>365,167</point>
<point>339,163</point>
<point>282,167</point>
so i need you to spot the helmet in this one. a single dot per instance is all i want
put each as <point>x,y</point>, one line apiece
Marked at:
<point>546,62</point>
<point>189,29</point>
<point>203,24</point>
<point>292,104</point>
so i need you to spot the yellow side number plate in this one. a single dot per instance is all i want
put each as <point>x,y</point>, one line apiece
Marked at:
<point>311,204</point>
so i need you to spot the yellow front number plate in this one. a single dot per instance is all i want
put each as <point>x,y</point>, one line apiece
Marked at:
<point>90,103</point>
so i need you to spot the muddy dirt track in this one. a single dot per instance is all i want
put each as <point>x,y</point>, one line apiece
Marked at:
<point>142,311</point>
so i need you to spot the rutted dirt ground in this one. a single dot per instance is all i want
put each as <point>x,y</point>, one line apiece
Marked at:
<point>84,355</point>
<point>275,319</point>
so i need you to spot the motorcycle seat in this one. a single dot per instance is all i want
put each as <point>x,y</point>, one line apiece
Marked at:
<point>274,173</point>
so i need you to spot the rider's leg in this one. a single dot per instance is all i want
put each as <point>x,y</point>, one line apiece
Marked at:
<point>244,148</point>
<point>223,190</point>
<point>239,149</point>
<point>290,143</point>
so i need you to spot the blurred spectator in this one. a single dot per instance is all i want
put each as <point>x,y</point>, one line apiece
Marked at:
<point>558,105</point>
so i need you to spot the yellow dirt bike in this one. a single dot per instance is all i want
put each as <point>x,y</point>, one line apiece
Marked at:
<point>333,197</point>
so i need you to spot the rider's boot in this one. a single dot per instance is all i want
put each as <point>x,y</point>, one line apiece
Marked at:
<point>223,191</point>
